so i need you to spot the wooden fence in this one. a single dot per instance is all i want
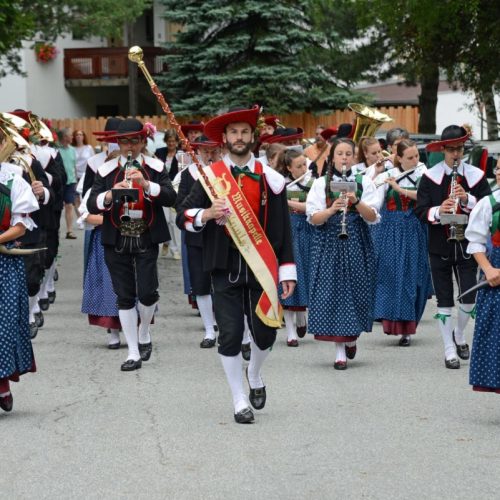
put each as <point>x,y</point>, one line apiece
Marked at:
<point>403,116</point>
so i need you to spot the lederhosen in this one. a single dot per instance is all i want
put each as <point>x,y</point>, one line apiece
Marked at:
<point>448,258</point>
<point>131,248</point>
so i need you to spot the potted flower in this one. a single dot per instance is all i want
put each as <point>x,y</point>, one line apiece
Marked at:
<point>45,52</point>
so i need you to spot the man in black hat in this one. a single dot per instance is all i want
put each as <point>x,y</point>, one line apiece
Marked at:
<point>438,194</point>
<point>132,231</point>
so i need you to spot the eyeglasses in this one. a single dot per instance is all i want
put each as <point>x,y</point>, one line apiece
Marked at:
<point>496,170</point>
<point>132,140</point>
<point>456,149</point>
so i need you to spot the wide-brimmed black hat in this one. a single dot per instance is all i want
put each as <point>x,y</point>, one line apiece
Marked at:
<point>110,127</point>
<point>283,135</point>
<point>345,130</point>
<point>204,141</point>
<point>130,127</point>
<point>451,134</point>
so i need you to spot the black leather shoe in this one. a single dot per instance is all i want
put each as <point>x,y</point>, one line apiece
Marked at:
<point>44,304</point>
<point>301,331</point>
<point>39,319</point>
<point>33,330</point>
<point>216,328</point>
<point>7,402</point>
<point>56,275</point>
<point>145,351</point>
<point>207,343</point>
<point>131,365</point>
<point>462,350</point>
<point>116,345</point>
<point>52,297</point>
<point>452,364</point>
<point>340,365</point>
<point>244,416</point>
<point>246,351</point>
<point>350,352</point>
<point>258,397</point>
<point>405,341</point>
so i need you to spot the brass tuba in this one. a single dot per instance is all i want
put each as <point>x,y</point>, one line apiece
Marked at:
<point>368,120</point>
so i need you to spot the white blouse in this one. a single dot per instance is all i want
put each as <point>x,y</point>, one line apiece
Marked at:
<point>23,200</point>
<point>316,198</point>
<point>406,182</point>
<point>478,228</point>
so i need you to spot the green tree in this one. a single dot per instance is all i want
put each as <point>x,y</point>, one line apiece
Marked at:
<point>232,53</point>
<point>426,37</point>
<point>22,20</point>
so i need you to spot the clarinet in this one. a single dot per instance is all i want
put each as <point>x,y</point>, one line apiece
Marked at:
<point>343,195</point>
<point>125,217</point>
<point>454,176</point>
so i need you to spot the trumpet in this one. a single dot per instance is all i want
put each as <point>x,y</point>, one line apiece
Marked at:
<point>125,217</point>
<point>453,185</point>
<point>343,196</point>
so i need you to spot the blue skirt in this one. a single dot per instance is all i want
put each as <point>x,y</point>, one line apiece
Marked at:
<point>302,233</point>
<point>484,372</point>
<point>402,263</point>
<point>342,280</point>
<point>16,353</point>
<point>99,298</point>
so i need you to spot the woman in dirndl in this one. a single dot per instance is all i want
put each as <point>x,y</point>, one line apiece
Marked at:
<point>99,300</point>
<point>16,353</point>
<point>403,273</point>
<point>484,221</point>
<point>342,279</point>
<point>292,164</point>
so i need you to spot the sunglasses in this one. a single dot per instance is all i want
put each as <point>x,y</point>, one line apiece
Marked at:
<point>133,140</point>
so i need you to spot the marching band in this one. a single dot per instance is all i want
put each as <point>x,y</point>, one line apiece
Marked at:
<point>330,239</point>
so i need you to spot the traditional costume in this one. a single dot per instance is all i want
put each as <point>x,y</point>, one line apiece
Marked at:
<point>16,353</point>
<point>450,257</point>
<point>485,359</point>
<point>403,274</point>
<point>257,236</point>
<point>342,279</point>
<point>295,307</point>
<point>131,233</point>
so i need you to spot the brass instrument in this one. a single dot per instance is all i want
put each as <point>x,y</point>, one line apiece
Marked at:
<point>455,221</point>
<point>368,120</point>
<point>343,196</point>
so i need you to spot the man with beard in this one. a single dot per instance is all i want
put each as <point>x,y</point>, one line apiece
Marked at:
<point>251,199</point>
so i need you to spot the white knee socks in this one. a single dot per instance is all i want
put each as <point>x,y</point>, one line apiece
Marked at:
<point>290,325</point>
<point>128,320</point>
<point>255,365</point>
<point>340,352</point>
<point>114,336</point>
<point>206,312</point>
<point>301,318</point>
<point>146,314</point>
<point>445,323</point>
<point>33,305</point>
<point>463,315</point>
<point>246,333</point>
<point>233,366</point>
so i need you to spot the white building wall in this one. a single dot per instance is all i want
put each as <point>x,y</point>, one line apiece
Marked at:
<point>457,108</point>
<point>43,90</point>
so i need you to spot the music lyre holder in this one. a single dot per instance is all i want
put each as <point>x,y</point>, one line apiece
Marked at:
<point>454,219</point>
<point>339,186</point>
<point>125,195</point>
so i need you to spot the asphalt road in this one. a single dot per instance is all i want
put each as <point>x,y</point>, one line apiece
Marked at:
<point>396,424</point>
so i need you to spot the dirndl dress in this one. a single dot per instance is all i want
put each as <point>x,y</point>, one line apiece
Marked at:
<point>403,273</point>
<point>99,299</point>
<point>16,352</point>
<point>484,372</point>
<point>342,280</point>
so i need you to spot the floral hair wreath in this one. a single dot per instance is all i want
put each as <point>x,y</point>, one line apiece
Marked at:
<point>150,129</point>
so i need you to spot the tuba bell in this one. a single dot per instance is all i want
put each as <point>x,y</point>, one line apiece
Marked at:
<point>368,120</point>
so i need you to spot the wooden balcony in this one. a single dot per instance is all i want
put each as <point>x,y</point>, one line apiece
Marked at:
<point>106,66</point>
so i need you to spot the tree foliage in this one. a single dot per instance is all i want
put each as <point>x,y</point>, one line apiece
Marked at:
<point>232,53</point>
<point>25,20</point>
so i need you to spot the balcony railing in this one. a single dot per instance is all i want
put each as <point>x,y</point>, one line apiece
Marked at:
<point>107,62</point>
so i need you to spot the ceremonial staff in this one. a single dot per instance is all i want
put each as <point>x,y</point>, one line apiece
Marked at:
<point>135,54</point>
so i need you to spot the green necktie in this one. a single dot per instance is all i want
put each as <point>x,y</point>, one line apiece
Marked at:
<point>245,171</point>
